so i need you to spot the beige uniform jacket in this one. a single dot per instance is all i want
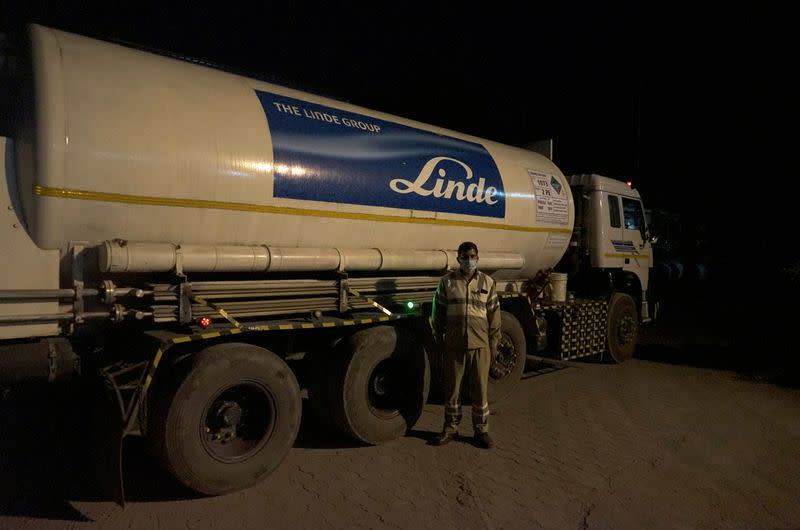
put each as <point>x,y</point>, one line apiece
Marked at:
<point>467,313</point>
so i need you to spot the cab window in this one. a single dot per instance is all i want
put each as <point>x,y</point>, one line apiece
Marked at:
<point>632,210</point>
<point>613,210</point>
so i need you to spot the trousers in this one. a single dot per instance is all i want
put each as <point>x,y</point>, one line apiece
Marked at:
<point>476,364</point>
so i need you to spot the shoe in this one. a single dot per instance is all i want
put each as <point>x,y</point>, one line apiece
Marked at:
<point>443,438</point>
<point>482,439</point>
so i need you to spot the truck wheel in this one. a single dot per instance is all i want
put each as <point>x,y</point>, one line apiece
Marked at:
<point>507,369</point>
<point>380,383</point>
<point>622,327</point>
<point>229,421</point>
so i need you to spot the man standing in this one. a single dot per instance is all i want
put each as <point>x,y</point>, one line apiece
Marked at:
<point>466,323</point>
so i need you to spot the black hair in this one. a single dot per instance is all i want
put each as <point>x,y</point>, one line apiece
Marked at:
<point>466,246</point>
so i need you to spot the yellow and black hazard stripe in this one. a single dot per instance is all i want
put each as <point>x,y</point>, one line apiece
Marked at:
<point>218,309</point>
<point>512,295</point>
<point>276,326</point>
<point>368,300</point>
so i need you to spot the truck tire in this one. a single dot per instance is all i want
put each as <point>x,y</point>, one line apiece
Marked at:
<point>229,419</point>
<point>622,329</point>
<point>507,369</point>
<point>378,383</point>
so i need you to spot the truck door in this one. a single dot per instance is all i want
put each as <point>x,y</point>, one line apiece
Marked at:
<point>634,240</point>
<point>610,253</point>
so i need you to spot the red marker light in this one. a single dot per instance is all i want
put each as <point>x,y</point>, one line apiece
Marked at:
<point>205,322</point>
<point>629,183</point>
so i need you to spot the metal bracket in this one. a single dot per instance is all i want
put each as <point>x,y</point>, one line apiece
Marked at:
<point>179,262</point>
<point>124,382</point>
<point>343,291</point>
<point>185,304</point>
<point>78,264</point>
<point>52,356</point>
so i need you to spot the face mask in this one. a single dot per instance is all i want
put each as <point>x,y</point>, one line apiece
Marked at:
<point>468,266</point>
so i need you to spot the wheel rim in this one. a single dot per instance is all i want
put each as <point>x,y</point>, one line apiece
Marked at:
<point>383,390</point>
<point>506,358</point>
<point>626,331</point>
<point>237,422</point>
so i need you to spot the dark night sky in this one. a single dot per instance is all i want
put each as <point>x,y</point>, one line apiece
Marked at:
<point>690,103</point>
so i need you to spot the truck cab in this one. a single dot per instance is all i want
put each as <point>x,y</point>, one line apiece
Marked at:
<point>611,249</point>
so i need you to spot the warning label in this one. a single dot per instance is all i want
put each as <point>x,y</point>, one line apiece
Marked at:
<point>557,241</point>
<point>552,205</point>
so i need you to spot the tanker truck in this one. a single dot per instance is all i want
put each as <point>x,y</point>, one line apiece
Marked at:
<point>216,248</point>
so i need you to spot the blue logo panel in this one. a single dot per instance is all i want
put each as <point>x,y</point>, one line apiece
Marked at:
<point>326,154</point>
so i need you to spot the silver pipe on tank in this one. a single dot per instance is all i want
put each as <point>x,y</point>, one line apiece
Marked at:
<point>37,318</point>
<point>37,294</point>
<point>122,256</point>
<point>50,317</point>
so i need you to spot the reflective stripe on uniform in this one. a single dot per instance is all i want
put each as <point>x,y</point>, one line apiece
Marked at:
<point>480,411</point>
<point>456,299</point>
<point>475,308</point>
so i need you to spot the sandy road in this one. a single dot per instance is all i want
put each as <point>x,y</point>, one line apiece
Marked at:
<point>641,445</point>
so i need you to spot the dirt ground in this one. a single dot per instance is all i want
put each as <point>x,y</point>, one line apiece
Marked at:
<point>679,437</point>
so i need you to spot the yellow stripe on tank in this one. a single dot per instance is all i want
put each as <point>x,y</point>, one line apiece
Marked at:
<point>44,191</point>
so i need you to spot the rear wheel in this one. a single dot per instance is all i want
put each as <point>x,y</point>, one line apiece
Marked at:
<point>374,385</point>
<point>507,368</point>
<point>229,420</point>
<point>622,327</point>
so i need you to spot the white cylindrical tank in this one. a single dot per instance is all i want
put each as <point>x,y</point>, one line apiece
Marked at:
<point>123,144</point>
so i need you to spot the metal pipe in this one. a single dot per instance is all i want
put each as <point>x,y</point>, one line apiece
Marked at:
<point>34,294</point>
<point>36,318</point>
<point>50,317</point>
<point>123,256</point>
